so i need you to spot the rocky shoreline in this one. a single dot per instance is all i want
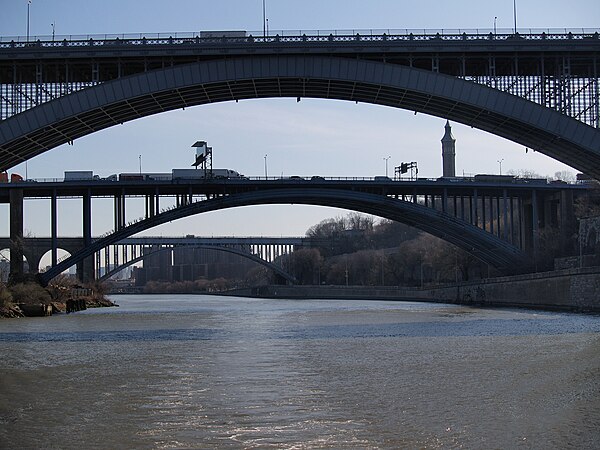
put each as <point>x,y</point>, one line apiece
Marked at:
<point>13,311</point>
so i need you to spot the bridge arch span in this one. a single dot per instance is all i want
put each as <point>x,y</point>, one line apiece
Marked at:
<point>484,245</point>
<point>279,271</point>
<point>84,112</point>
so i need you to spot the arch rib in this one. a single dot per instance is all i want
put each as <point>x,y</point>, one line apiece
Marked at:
<point>64,119</point>
<point>476,241</point>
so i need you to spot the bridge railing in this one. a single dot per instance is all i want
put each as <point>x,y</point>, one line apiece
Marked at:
<point>291,36</point>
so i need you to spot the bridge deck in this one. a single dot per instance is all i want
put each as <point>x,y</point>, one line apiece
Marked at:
<point>133,188</point>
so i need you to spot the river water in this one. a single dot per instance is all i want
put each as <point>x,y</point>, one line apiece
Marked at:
<point>217,372</point>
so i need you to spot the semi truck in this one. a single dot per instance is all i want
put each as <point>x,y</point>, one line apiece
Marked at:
<point>80,175</point>
<point>199,174</point>
<point>14,177</point>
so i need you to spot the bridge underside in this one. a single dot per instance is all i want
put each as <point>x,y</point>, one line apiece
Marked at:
<point>67,118</point>
<point>487,247</point>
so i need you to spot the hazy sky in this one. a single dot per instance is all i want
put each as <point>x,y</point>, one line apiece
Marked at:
<point>324,137</point>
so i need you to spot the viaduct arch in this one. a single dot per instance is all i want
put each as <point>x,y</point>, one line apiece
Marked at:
<point>240,77</point>
<point>487,247</point>
<point>278,270</point>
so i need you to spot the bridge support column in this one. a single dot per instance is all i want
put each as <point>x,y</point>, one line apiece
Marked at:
<point>535,223</point>
<point>568,224</point>
<point>54,228</point>
<point>505,215</point>
<point>474,212</point>
<point>85,269</point>
<point>119,211</point>
<point>16,234</point>
<point>150,206</point>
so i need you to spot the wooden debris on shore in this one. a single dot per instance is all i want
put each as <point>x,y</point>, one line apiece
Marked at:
<point>11,312</point>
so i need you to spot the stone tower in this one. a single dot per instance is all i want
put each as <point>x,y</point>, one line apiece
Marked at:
<point>448,153</point>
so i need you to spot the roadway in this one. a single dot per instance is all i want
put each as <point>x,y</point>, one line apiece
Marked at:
<point>216,187</point>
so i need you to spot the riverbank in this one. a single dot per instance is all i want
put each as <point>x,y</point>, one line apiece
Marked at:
<point>34,308</point>
<point>576,290</point>
<point>14,311</point>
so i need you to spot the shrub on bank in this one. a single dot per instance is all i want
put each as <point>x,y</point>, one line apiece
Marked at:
<point>29,293</point>
<point>5,296</point>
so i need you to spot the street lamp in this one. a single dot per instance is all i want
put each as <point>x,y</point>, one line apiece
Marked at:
<point>53,25</point>
<point>500,162</point>
<point>515,14</point>
<point>495,18</point>
<point>386,164</point>
<point>140,156</point>
<point>265,167</point>
<point>28,5</point>
<point>264,20</point>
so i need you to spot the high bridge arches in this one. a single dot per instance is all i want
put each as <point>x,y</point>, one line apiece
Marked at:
<point>236,251</point>
<point>111,103</point>
<point>487,247</point>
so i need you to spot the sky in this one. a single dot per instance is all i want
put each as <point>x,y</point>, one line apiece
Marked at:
<point>312,137</point>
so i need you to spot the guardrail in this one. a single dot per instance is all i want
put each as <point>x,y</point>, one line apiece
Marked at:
<point>294,36</point>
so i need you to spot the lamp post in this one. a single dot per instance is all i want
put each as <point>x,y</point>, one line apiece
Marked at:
<point>495,18</point>
<point>500,162</point>
<point>140,156</point>
<point>386,164</point>
<point>515,14</point>
<point>265,167</point>
<point>28,5</point>
<point>53,25</point>
<point>264,20</point>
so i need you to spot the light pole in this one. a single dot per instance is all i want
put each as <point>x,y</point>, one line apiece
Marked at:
<point>515,14</point>
<point>28,4</point>
<point>500,162</point>
<point>264,20</point>
<point>495,18</point>
<point>386,164</point>
<point>265,167</point>
<point>53,25</point>
<point>140,164</point>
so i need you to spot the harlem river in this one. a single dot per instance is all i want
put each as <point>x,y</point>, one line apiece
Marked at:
<point>218,372</point>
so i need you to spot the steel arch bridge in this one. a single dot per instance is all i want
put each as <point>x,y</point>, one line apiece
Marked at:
<point>540,90</point>
<point>489,248</point>
<point>236,251</point>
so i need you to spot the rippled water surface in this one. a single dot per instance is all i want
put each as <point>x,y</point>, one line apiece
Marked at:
<point>213,372</point>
